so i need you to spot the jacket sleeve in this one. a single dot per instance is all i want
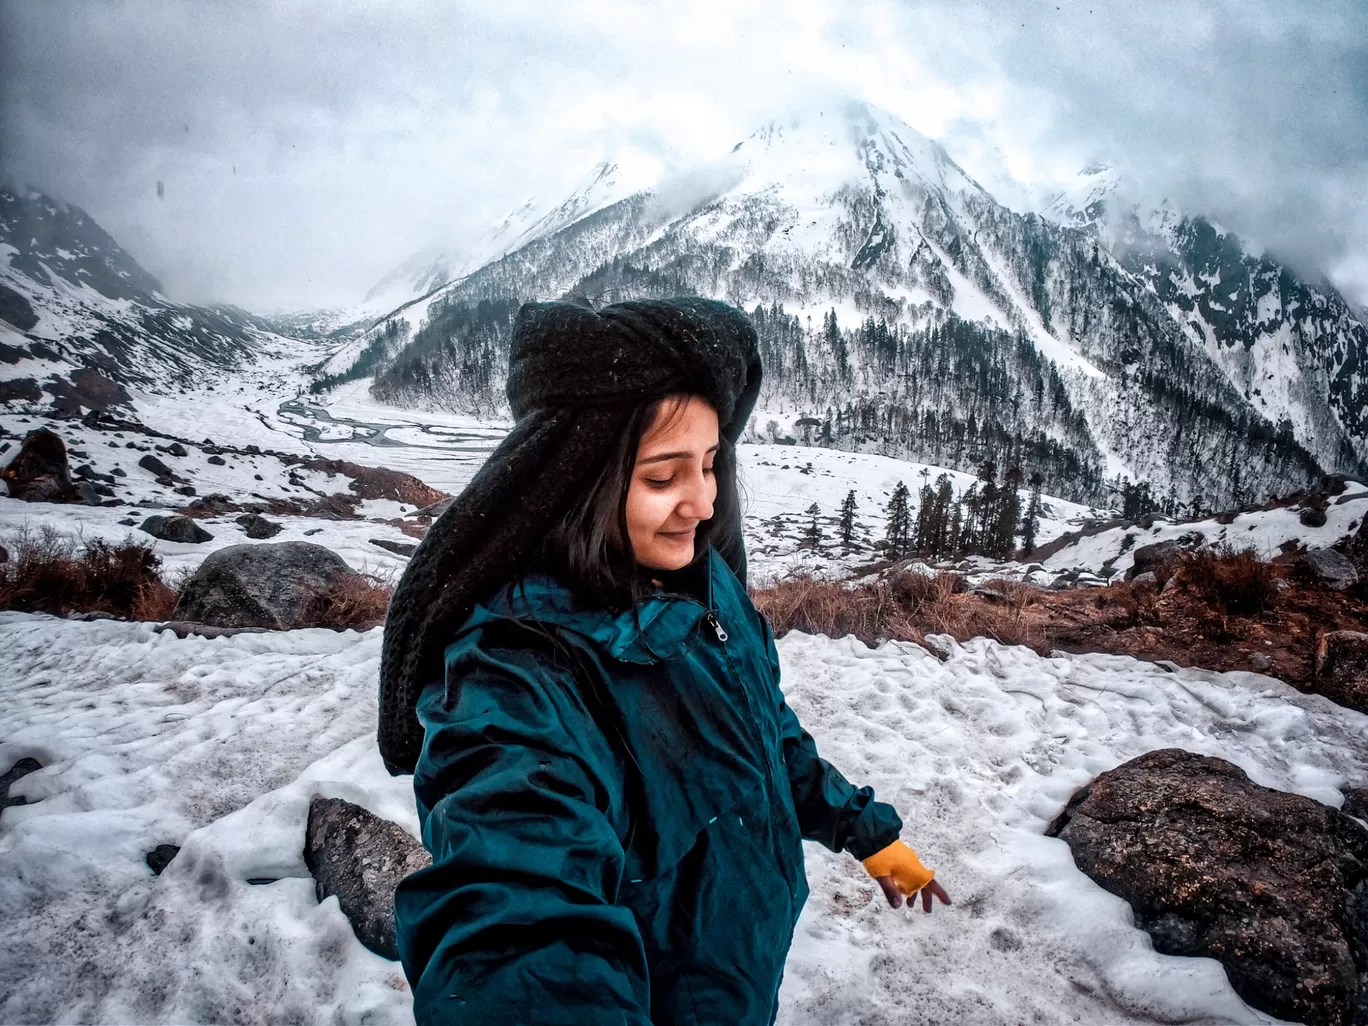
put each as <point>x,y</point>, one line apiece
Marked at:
<point>831,810</point>
<point>515,921</point>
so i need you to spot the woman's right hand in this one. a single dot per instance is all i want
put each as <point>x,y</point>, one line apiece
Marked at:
<point>930,891</point>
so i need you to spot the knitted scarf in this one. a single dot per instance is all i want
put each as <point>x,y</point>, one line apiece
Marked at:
<point>574,376</point>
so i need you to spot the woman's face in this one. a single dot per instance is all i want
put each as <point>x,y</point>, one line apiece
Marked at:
<point>673,487</point>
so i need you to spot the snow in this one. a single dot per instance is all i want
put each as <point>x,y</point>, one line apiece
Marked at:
<point>217,745</point>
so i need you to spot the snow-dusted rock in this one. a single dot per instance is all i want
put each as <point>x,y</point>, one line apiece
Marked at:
<point>255,526</point>
<point>1312,517</point>
<point>397,547</point>
<point>1215,865</point>
<point>175,528</point>
<point>1148,557</point>
<point>361,858</point>
<point>279,585</point>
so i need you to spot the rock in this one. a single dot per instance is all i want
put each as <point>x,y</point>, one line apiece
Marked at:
<point>185,490</point>
<point>1312,517</point>
<point>314,530</point>
<point>39,472</point>
<point>4,554</point>
<point>257,526</point>
<point>360,858</point>
<point>160,857</point>
<point>1150,557</point>
<point>991,595</point>
<point>128,522</point>
<point>399,548</point>
<point>174,449</point>
<point>1330,567</point>
<point>280,585</point>
<point>436,509</point>
<point>22,768</point>
<point>1215,865</point>
<point>1341,668</point>
<point>1356,802</point>
<point>217,461</point>
<point>1261,662</point>
<point>156,467</point>
<point>176,529</point>
<point>1146,580</point>
<point>118,472</point>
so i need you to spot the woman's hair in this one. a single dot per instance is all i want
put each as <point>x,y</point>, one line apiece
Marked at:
<point>589,549</point>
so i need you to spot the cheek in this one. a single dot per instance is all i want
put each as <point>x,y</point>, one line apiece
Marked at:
<point>646,511</point>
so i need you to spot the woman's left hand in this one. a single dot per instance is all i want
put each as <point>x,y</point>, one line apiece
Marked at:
<point>930,891</point>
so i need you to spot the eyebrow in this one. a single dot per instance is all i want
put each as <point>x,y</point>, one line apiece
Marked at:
<point>662,457</point>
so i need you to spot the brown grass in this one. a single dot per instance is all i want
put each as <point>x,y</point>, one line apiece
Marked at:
<point>1232,583</point>
<point>903,606</point>
<point>48,573</point>
<point>359,604</point>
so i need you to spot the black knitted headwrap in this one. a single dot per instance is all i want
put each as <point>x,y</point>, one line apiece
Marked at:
<point>575,375</point>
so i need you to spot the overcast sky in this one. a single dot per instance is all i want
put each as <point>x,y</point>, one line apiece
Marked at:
<point>308,147</point>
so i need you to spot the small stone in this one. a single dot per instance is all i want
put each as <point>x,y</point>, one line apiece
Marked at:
<point>399,548</point>
<point>184,490</point>
<point>22,768</point>
<point>217,461</point>
<point>128,522</point>
<point>1146,580</point>
<point>1260,661</point>
<point>160,857</point>
<point>254,525</point>
<point>314,530</point>
<point>118,472</point>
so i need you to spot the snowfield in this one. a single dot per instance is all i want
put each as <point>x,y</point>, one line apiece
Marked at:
<point>218,744</point>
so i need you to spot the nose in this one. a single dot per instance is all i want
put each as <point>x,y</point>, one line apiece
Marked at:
<point>697,502</point>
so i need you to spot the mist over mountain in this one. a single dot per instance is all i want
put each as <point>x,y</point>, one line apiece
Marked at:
<point>907,312</point>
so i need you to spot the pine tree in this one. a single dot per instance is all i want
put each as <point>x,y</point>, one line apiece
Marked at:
<point>1032,523</point>
<point>899,530</point>
<point>813,537</point>
<point>848,519</point>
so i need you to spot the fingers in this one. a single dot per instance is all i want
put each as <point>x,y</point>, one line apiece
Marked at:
<point>891,892</point>
<point>933,890</point>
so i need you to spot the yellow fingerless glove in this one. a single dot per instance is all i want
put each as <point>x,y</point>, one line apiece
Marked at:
<point>901,863</point>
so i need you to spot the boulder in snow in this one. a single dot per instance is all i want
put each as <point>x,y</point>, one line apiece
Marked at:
<point>154,466</point>
<point>360,858</point>
<point>175,528</point>
<point>40,472</point>
<point>160,857</point>
<point>398,548</point>
<point>1342,668</point>
<point>1312,517</point>
<point>1215,865</point>
<point>1147,557</point>
<point>254,525</point>
<point>280,585</point>
<point>22,768</point>
<point>1332,568</point>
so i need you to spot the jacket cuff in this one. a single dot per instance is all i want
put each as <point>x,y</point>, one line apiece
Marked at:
<point>875,826</point>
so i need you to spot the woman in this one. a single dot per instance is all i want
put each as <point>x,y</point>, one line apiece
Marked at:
<point>612,787</point>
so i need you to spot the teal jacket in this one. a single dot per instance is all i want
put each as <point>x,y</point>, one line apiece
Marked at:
<point>615,806</point>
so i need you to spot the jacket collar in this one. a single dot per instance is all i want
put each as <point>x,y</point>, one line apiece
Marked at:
<point>655,630</point>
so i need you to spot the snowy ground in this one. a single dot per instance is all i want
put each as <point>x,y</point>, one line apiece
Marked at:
<point>217,745</point>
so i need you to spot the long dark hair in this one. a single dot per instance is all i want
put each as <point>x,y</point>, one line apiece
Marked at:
<point>588,549</point>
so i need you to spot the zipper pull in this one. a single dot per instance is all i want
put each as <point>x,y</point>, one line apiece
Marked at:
<point>717,626</point>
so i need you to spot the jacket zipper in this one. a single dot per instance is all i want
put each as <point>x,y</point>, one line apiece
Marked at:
<point>716,625</point>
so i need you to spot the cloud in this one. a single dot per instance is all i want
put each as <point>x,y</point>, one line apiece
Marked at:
<point>307,147</point>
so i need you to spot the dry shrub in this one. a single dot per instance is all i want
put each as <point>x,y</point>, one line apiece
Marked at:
<point>48,573</point>
<point>359,603</point>
<point>905,606</point>
<point>1235,583</point>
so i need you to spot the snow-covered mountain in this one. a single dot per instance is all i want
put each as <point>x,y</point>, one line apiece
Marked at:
<point>909,313</point>
<point>81,321</point>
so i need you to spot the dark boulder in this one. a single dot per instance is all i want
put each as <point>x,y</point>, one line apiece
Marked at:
<point>1150,557</point>
<point>217,460</point>
<point>1215,865</point>
<point>1341,668</point>
<point>254,525</point>
<point>398,548</point>
<point>1332,568</point>
<point>1312,517</point>
<point>174,449</point>
<point>175,528</point>
<point>40,472</point>
<point>360,858</point>
<point>160,857</point>
<point>22,768</point>
<point>4,554</point>
<point>280,585</point>
<point>155,466</point>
